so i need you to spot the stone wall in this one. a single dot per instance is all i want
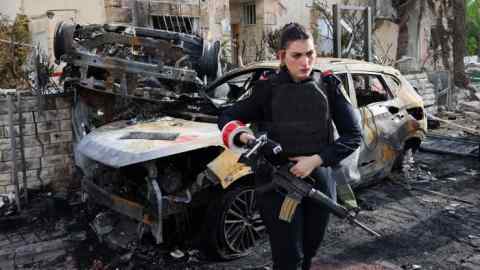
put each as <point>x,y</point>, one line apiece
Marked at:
<point>47,136</point>
<point>425,89</point>
<point>117,11</point>
<point>442,82</point>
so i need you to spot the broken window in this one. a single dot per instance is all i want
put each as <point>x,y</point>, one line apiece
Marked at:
<point>249,15</point>
<point>369,88</point>
<point>343,77</point>
<point>393,83</point>
<point>181,24</point>
<point>234,89</point>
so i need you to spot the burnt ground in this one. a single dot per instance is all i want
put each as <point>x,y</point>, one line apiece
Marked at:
<point>420,230</point>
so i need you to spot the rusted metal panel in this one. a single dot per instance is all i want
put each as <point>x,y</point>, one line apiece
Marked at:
<point>125,207</point>
<point>117,51</point>
<point>129,208</point>
<point>106,146</point>
<point>226,169</point>
<point>384,136</point>
<point>120,65</point>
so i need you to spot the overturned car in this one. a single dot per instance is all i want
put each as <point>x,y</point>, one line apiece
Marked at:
<point>167,171</point>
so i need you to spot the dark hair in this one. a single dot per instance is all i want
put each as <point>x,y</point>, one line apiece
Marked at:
<point>291,32</point>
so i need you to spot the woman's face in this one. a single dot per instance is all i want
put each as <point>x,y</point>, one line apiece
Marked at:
<point>299,57</point>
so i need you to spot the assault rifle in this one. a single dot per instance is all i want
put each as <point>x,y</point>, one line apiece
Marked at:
<point>295,188</point>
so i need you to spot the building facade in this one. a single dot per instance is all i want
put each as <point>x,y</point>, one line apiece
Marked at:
<point>45,14</point>
<point>241,25</point>
<point>406,30</point>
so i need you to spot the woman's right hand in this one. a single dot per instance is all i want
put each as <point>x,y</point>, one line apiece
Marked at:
<point>245,137</point>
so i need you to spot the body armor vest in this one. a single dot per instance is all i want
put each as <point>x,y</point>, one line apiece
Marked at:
<point>300,118</point>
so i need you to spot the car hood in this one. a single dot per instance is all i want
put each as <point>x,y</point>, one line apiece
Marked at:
<point>119,144</point>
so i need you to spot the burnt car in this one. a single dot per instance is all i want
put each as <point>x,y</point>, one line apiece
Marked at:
<point>393,116</point>
<point>145,132</point>
<point>171,175</point>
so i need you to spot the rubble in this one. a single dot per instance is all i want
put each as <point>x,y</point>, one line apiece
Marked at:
<point>471,262</point>
<point>461,95</point>
<point>473,115</point>
<point>38,237</point>
<point>458,123</point>
<point>454,145</point>
<point>102,224</point>
<point>425,88</point>
<point>473,72</point>
<point>411,267</point>
<point>7,205</point>
<point>473,106</point>
<point>421,230</point>
<point>177,254</point>
<point>474,240</point>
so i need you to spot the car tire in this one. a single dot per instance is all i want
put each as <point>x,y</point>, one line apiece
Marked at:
<point>234,226</point>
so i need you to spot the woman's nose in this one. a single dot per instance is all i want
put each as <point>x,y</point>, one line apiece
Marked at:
<point>304,61</point>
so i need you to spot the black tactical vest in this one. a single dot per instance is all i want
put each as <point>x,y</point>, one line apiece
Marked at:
<point>300,118</point>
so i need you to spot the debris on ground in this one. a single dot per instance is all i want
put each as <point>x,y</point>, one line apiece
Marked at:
<point>420,229</point>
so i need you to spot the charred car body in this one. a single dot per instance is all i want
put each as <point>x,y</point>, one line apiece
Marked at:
<point>165,170</point>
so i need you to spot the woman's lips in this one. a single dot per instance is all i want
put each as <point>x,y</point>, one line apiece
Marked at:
<point>305,70</point>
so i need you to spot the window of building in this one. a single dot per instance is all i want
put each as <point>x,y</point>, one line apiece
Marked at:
<point>181,24</point>
<point>249,15</point>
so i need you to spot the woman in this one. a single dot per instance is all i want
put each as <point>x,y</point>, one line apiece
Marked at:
<point>297,112</point>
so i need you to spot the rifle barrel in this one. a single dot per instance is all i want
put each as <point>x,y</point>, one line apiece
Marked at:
<point>365,228</point>
<point>338,210</point>
<point>324,200</point>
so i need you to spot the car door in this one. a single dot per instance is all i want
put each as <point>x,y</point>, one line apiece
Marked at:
<point>382,118</point>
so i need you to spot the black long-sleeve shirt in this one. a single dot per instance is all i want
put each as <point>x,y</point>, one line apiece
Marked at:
<point>257,108</point>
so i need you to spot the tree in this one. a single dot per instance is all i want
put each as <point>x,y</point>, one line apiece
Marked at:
<point>459,45</point>
<point>13,52</point>
<point>473,27</point>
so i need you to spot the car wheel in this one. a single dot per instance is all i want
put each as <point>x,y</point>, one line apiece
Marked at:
<point>234,226</point>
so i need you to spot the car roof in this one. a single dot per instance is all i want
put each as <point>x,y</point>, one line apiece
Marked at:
<point>334,64</point>
<point>337,65</point>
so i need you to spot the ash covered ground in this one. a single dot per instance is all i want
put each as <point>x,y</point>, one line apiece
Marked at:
<point>421,229</point>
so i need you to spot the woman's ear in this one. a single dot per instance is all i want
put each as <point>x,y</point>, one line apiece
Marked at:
<point>281,56</point>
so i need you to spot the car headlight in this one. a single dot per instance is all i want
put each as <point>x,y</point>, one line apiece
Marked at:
<point>416,112</point>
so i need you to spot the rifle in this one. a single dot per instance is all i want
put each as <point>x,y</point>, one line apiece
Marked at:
<point>295,188</point>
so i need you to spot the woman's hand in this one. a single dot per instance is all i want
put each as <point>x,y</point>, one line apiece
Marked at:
<point>305,165</point>
<point>245,137</point>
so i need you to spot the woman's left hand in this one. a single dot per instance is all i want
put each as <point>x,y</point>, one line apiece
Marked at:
<point>305,165</point>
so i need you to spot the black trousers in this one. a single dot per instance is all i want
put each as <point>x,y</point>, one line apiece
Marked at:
<point>293,244</point>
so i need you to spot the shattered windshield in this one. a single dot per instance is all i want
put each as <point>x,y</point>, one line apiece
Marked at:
<point>234,87</point>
